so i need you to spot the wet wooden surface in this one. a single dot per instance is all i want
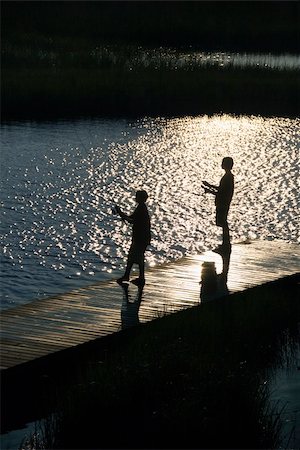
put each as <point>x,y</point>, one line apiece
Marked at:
<point>49,325</point>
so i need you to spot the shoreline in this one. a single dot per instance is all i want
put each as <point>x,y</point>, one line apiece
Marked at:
<point>40,94</point>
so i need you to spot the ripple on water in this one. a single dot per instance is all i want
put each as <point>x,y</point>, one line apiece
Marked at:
<point>60,181</point>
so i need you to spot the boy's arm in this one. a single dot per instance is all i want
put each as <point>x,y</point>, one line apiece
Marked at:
<point>210,191</point>
<point>210,188</point>
<point>123,215</point>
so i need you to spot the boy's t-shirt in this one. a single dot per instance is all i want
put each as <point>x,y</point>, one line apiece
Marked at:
<point>141,233</point>
<point>225,191</point>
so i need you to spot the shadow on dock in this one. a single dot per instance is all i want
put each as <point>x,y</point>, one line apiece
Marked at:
<point>214,285</point>
<point>130,307</point>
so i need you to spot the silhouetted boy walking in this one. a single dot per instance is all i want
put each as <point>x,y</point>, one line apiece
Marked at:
<point>223,194</point>
<point>141,237</point>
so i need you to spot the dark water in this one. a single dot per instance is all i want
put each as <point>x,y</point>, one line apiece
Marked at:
<point>286,394</point>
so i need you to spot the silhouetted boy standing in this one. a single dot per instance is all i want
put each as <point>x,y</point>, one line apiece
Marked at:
<point>223,194</point>
<point>141,236</point>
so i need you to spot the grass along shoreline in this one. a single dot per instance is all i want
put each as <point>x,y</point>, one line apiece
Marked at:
<point>195,379</point>
<point>239,26</point>
<point>38,93</point>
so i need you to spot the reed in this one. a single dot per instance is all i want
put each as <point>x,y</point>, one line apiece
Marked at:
<point>264,26</point>
<point>194,379</point>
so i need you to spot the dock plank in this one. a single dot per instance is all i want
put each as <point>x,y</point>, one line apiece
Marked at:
<point>45,326</point>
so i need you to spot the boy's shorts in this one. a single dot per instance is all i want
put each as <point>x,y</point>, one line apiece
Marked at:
<point>221,217</point>
<point>136,252</point>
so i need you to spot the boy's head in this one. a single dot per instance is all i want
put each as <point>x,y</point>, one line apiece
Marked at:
<point>141,196</point>
<point>227,163</point>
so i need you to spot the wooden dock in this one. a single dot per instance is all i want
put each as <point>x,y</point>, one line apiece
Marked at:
<point>49,325</point>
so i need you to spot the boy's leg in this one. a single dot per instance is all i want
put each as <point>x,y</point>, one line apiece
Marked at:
<point>129,264</point>
<point>226,236</point>
<point>128,269</point>
<point>142,270</point>
<point>141,263</point>
<point>140,281</point>
<point>221,221</point>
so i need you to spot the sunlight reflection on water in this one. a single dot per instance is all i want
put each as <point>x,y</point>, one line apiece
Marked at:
<point>168,58</point>
<point>243,60</point>
<point>60,181</point>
